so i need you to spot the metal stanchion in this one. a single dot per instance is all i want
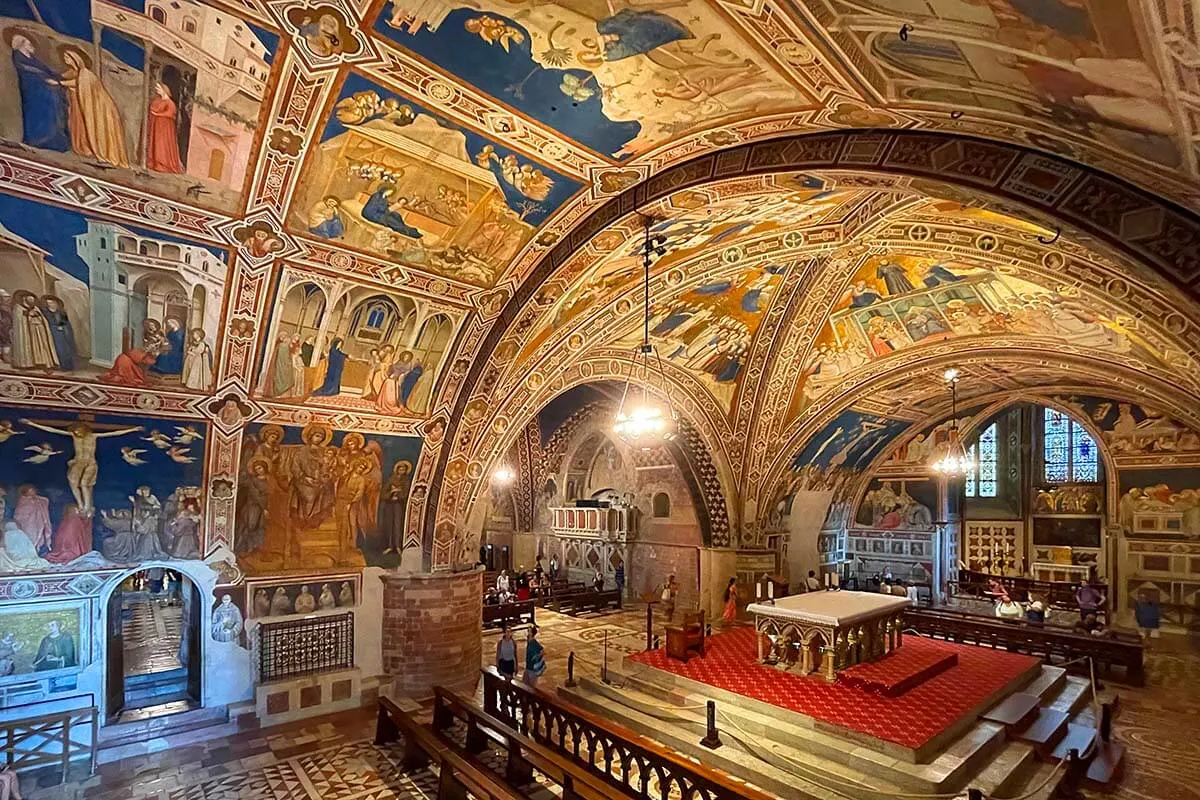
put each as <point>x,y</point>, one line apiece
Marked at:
<point>712,739</point>
<point>570,684</point>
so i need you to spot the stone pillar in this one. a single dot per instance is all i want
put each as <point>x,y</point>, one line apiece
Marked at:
<point>431,630</point>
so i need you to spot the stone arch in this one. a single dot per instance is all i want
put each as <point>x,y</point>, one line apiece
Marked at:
<point>1153,231</point>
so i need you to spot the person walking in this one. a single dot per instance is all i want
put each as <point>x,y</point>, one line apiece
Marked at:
<point>506,653</point>
<point>731,598</point>
<point>669,592</point>
<point>535,657</point>
<point>619,577</point>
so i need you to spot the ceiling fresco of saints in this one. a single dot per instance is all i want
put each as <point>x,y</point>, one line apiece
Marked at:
<point>618,78</point>
<point>165,97</point>
<point>395,180</point>
<point>1101,71</point>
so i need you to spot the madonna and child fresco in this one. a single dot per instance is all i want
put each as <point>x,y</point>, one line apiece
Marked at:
<point>314,498</point>
<point>79,491</point>
<point>140,95</point>
<point>65,310</point>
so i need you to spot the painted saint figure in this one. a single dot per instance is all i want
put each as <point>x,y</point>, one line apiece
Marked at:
<point>73,537</point>
<point>93,118</point>
<point>162,139</point>
<point>32,515</point>
<point>325,219</point>
<point>56,651</point>
<point>226,621</point>
<point>62,335</point>
<point>32,341</point>
<point>335,363</point>
<point>43,105</point>
<point>170,360</point>
<point>393,501</point>
<point>895,278</point>
<point>197,362</point>
<point>382,210</point>
<point>82,470</point>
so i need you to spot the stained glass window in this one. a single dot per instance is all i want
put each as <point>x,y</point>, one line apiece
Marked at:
<point>981,479</point>
<point>1068,450</point>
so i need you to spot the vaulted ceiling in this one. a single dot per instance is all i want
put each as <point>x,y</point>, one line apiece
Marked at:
<point>854,194</point>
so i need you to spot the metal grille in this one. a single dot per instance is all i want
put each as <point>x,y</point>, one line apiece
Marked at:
<point>305,646</point>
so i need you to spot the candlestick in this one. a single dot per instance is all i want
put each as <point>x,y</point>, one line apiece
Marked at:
<point>770,589</point>
<point>758,591</point>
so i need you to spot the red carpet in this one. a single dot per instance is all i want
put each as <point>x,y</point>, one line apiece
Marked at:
<point>898,671</point>
<point>910,720</point>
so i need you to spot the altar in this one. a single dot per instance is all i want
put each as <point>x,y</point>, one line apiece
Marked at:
<point>828,631</point>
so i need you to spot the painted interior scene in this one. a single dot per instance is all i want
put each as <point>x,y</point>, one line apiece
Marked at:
<point>315,498</point>
<point>82,296</point>
<point>402,183</point>
<point>158,94</point>
<point>351,346</point>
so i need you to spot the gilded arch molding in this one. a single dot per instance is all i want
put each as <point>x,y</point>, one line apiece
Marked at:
<point>1157,233</point>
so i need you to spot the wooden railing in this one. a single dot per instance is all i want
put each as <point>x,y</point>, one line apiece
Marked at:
<point>1049,642</point>
<point>458,778</point>
<point>623,759</point>
<point>522,754</point>
<point>50,740</point>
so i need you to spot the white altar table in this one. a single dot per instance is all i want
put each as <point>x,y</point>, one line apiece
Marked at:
<point>828,631</point>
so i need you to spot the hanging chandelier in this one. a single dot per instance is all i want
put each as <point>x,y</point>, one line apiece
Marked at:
<point>642,422</point>
<point>953,461</point>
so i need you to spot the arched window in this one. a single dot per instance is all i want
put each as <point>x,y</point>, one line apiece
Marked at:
<point>1068,450</point>
<point>981,480</point>
<point>103,243</point>
<point>376,316</point>
<point>189,25</point>
<point>158,15</point>
<point>661,505</point>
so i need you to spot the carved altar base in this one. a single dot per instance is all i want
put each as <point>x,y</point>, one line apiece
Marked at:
<point>826,632</point>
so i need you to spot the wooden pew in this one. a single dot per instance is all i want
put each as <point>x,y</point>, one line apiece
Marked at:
<point>458,779</point>
<point>523,754</point>
<point>576,733</point>
<point>1051,643</point>
<point>587,600</point>
<point>1059,594</point>
<point>511,614</point>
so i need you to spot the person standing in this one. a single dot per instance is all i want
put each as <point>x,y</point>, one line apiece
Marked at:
<point>1148,615</point>
<point>506,654</point>
<point>553,568</point>
<point>10,787</point>
<point>731,598</point>
<point>535,657</point>
<point>619,577</point>
<point>669,593</point>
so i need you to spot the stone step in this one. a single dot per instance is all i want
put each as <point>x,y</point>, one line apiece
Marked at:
<point>1046,730</point>
<point>1009,769</point>
<point>1014,712</point>
<point>1079,737</point>
<point>769,767</point>
<point>158,728</point>
<point>1040,783</point>
<point>1075,694</point>
<point>947,771</point>
<point>1048,683</point>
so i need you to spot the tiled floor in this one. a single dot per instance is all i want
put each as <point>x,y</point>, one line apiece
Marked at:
<point>331,757</point>
<point>151,633</point>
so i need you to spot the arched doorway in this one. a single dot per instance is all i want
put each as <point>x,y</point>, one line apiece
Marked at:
<point>153,645</point>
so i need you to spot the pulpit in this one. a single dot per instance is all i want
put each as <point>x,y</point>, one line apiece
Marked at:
<point>686,638</point>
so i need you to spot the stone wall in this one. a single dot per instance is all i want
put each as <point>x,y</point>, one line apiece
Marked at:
<point>431,626</point>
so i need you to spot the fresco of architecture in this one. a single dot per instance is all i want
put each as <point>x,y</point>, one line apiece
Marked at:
<point>319,499</point>
<point>84,297</point>
<point>1096,68</point>
<point>162,95</point>
<point>83,491</point>
<point>352,346</point>
<point>899,301</point>
<point>399,182</point>
<point>585,69</point>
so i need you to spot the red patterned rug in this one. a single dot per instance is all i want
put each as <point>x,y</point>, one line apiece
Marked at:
<point>898,671</point>
<point>910,720</point>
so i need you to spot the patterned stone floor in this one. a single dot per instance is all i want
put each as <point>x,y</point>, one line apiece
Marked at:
<point>332,757</point>
<point>151,633</point>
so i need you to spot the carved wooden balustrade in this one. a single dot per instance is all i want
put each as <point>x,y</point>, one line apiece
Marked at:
<point>614,754</point>
<point>54,739</point>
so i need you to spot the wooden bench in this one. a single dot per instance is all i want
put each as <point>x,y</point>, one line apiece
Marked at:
<point>522,754</point>
<point>1048,642</point>
<point>627,758</point>
<point>1059,594</point>
<point>458,777</point>
<point>587,600</point>
<point>686,638</point>
<point>511,614</point>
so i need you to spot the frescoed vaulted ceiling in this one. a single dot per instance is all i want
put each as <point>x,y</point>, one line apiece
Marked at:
<point>424,218</point>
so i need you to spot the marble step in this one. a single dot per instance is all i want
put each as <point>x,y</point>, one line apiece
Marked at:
<point>1009,769</point>
<point>1046,730</point>
<point>948,770</point>
<point>156,684</point>
<point>1074,696</point>
<point>769,772</point>
<point>159,729</point>
<point>1048,683</point>
<point>1014,712</point>
<point>1040,783</point>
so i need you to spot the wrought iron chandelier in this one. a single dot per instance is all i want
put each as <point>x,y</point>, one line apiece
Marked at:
<point>642,422</point>
<point>953,461</point>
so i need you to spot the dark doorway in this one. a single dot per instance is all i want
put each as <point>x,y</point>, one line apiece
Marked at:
<point>153,646</point>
